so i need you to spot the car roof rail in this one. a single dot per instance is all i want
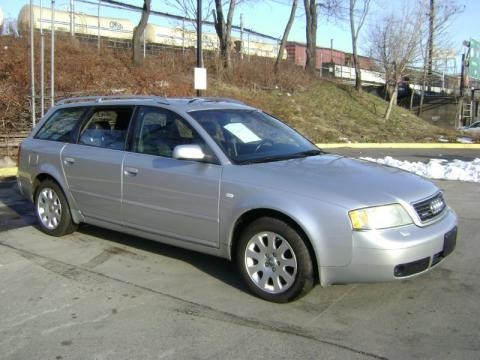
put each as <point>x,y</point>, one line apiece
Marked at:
<point>100,99</point>
<point>216,99</point>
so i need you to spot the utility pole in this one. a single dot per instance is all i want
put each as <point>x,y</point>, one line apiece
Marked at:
<point>199,39</point>
<point>32,65</point>
<point>248,46</point>
<point>42,63</point>
<point>72,19</point>
<point>431,21</point>
<point>183,37</point>
<point>52,57</point>
<point>331,50</point>
<point>241,36</point>
<point>98,26</point>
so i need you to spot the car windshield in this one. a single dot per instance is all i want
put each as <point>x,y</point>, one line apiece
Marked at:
<point>249,136</point>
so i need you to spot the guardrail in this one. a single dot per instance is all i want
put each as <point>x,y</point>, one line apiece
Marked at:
<point>12,140</point>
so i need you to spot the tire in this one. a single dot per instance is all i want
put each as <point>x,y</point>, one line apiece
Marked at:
<point>52,210</point>
<point>274,261</point>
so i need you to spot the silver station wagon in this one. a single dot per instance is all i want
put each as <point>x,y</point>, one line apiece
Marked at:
<point>220,177</point>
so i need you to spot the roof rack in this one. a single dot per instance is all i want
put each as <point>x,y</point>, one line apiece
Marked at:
<point>216,99</point>
<point>99,99</point>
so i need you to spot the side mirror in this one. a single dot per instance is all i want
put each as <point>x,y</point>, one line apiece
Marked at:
<point>188,152</point>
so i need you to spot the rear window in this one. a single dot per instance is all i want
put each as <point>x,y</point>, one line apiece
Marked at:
<point>59,126</point>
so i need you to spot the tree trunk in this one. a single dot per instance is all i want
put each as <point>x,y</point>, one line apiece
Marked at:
<point>137,55</point>
<point>393,101</point>
<point>358,74</point>
<point>285,35</point>
<point>311,34</point>
<point>422,96</point>
<point>356,65</point>
<point>412,93</point>
<point>431,23</point>
<point>355,31</point>
<point>224,30</point>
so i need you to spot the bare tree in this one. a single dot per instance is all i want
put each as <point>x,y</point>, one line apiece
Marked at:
<point>224,30</point>
<point>285,35</point>
<point>394,42</point>
<point>311,35</point>
<point>138,32</point>
<point>327,8</point>
<point>363,8</point>
<point>189,9</point>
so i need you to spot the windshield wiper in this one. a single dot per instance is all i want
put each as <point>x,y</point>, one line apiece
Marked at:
<point>302,154</point>
<point>306,153</point>
<point>265,159</point>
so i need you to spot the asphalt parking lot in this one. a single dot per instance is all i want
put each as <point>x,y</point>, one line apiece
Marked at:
<point>98,294</point>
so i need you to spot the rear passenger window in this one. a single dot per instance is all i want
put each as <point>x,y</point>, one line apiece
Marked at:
<point>107,128</point>
<point>59,126</point>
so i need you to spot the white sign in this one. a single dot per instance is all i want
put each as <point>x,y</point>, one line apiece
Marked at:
<point>200,76</point>
<point>242,132</point>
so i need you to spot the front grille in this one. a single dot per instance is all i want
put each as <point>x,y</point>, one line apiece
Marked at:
<point>430,208</point>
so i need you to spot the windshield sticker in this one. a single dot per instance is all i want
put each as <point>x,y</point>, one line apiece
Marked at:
<point>242,132</point>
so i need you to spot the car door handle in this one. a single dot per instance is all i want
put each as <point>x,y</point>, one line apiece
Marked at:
<point>129,171</point>
<point>69,161</point>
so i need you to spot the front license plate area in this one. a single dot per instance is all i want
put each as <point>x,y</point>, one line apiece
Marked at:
<point>450,241</point>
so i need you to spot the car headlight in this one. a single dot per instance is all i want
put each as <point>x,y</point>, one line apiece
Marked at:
<point>379,217</point>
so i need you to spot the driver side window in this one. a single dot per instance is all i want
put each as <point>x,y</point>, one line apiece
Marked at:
<point>158,131</point>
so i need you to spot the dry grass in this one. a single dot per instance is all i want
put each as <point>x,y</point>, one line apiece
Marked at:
<point>322,110</point>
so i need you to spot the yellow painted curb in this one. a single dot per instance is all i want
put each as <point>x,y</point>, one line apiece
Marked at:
<point>8,171</point>
<point>400,146</point>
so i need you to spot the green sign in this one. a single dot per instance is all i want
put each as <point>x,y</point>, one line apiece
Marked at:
<point>474,60</point>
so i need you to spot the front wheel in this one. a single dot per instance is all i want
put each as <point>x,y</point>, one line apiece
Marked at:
<point>52,210</point>
<point>274,260</point>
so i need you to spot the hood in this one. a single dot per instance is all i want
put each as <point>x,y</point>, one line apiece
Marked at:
<point>346,182</point>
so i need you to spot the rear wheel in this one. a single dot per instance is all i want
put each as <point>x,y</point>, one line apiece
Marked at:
<point>274,261</point>
<point>53,212</point>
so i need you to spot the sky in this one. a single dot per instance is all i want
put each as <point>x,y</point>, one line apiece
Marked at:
<point>270,17</point>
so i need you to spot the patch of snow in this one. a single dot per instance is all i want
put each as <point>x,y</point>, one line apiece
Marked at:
<point>465,140</point>
<point>436,168</point>
<point>6,161</point>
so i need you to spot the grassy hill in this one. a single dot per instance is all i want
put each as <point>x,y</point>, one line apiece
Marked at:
<point>322,110</point>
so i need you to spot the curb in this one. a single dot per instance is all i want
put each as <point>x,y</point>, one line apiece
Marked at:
<point>399,146</point>
<point>8,171</point>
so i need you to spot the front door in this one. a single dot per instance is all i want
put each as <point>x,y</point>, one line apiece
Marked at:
<point>177,199</point>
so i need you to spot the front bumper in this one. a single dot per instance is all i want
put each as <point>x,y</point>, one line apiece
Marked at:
<point>392,254</point>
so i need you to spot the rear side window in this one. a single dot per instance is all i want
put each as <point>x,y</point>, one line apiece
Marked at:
<point>107,128</point>
<point>59,126</point>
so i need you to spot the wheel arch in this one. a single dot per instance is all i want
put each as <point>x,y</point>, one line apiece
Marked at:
<point>249,216</point>
<point>42,176</point>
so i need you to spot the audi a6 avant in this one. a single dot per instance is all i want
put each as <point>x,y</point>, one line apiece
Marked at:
<point>223,178</point>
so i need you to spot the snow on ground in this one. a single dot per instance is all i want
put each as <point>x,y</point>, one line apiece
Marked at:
<point>437,168</point>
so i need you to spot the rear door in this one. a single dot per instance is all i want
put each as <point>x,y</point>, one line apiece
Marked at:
<point>93,166</point>
<point>172,198</point>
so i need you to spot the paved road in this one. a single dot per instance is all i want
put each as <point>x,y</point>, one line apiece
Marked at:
<point>98,294</point>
